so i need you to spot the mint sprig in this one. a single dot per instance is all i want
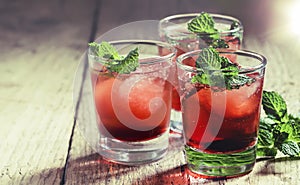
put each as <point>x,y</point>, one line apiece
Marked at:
<point>115,62</point>
<point>203,23</point>
<point>278,131</point>
<point>275,106</point>
<point>218,71</point>
<point>204,26</point>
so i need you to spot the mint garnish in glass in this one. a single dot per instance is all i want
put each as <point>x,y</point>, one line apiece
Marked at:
<point>115,62</point>
<point>204,26</point>
<point>218,71</point>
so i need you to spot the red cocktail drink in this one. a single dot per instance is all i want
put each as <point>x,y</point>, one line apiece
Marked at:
<point>133,99</point>
<point>236,109</point>
<point>220,110</point>
<point>114,103</point>
<point>174,30</point>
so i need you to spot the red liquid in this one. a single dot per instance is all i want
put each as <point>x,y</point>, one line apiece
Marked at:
<point>233,43</point>
<point>230,125</point>
<point>114,105</point>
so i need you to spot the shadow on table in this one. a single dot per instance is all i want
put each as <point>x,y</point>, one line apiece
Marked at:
<point>270,166</point>
<point>93,169</point>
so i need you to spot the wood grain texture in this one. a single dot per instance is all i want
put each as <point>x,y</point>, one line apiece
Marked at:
<point>41,46</point>
<point>41,42</point>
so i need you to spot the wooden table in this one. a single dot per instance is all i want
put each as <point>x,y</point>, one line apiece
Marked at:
<point>42,45</point>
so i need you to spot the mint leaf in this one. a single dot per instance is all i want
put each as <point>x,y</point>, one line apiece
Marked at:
<point>115,63</point>
<point>290,148</point>
<point>265,136</point>
<point>279,137</point>
<point>237,81</point>
<point>265,142</point>
<point>127,65</point>
<point>294,122</point>
<point>218,71</point>
<point>218,43</point>
<point>209,59</point>
<point>204,26</point>
<point>234,25</point>
<point>203,23</point>
<point>266,151</point>
<point>278,130</point>
<point>288,138</point>
<point>274,106</point>
<point>104,50</point>
<point>201,78</point>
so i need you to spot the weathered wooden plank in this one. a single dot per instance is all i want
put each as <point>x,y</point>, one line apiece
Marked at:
<point>41,42</point>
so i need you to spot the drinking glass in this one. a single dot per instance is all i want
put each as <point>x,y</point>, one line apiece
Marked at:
<point>173,29</point>
<point>133,110</point>
<point>221,121</point>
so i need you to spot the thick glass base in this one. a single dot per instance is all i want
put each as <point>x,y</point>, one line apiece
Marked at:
<point>176,121</point>
<point>134,153</point>
<point>220,165</point>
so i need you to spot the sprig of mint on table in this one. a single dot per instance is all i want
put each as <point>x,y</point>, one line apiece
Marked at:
<point>116,63</point>
<point>279,131</point>
<point>204,24</point>
<point>217,71</point>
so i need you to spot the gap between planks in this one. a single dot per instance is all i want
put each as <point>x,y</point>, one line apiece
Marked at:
<point>94,27</point>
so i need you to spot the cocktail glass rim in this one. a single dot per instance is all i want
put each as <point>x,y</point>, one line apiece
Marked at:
<point>242,70</point>
<point>154,59</point>
<point>168,19</point>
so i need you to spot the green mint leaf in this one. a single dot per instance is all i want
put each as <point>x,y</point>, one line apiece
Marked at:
<point>204,26</point>
<point>274,106</point>
<point>209,59</point>
<point>230,69</point>
<point>219,43</point>
<point>203,23</point>
<point>287,138</point>
<point>199,159</point>
<point>278,130</point>
<point>115,63</point>
<point>127,65</point>
<point>201,78</point>
<point>290,148</point>
<point>265,135</point>
<point>234,25</point>
<point>294,122</point>
<point>104,50</point>
<point>279,137</point>
<point>288,128</point>
<point>237,81</point>
<point>266,151</point>
<point>218,71</point>
<point>265,142</point>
